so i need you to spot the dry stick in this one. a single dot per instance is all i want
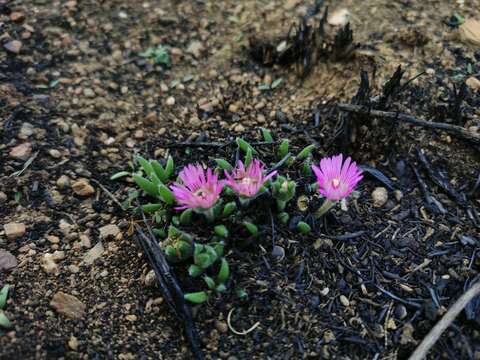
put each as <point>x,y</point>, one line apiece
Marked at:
<point>396,116</point>
<point>171,289</point>
<point>109,194</point>
<point>434,334</point>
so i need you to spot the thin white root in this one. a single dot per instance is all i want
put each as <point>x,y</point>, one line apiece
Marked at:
<point>434,334</point>
<point>244,332</point>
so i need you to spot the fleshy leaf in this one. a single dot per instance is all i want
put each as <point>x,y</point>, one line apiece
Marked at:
<point>267,135</point>
<point>283,148</point>
<point>229,208</point>
<point>4,296</point>
<point>224,272</point>
<point>146,185</point>
<point>252,228</point>
<point>195,270</point>
<point>119,175</point>
<point>306,151</point>
<point>209,281</point>
<point>303,227</point>
<point>150,208</point>
<point>196,297</point>
<point>166,194</point>
<point>4,322</point>
<point>224,164</point>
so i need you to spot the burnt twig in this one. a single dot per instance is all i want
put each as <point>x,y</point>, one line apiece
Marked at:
<point>434,334</point>
<point>439,179</point>
<point>432,204</point>
<point>392,116</point>
<point>171,290</point>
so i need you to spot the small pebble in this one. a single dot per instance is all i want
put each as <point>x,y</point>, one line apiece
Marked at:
<point>400,312</point>
<point>278,252</point>
<point>379,196</point>
<point>21,152</point>
<point>55,153</point>
<point>13,46</point>
<point>73,343</point>
<point>63,182</point>
<point>14,230</point>
<point>344,300</point>
<point>83,188</point>
<point>89,93</point>
<point>221,326</point>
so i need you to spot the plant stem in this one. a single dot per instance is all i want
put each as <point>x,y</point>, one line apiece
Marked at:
<point>322,210</point>
<point>209,214</point>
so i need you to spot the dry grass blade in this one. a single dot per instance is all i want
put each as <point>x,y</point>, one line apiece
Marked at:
<point>434,334</point>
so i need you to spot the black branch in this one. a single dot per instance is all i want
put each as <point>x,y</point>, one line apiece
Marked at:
<point>172,292</point>
<point>394,117</point>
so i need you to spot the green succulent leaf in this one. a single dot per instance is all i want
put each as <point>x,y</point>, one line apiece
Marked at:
<point>252,228</point>
<point>186,217</point>
<point>283,217</point>
<point>185,249</point>
<point>303,227</point>
<point>4,322</point>
<point>198,249</point>
<point>283,148</point>
<point>119,175</point>
<point>244,146</point>
<point>171,253</point>
<point>229,208</point>
<point>4,296</point>
<point>248,157</point>
<point>224,164</point>
<point>221,288</point>
<point>196,297</point>
<point>159,233</point>
<point>195,270</point>
<point>307,167</point>
<point>306,151</point>
<point>276,83</point>
<point>210,250</point>
<point>145,164</point>
<point>219,247</point>
<point>224,272</point>
<point>150,208</point>
<point>267,135</point>
<point>221,230</point>
<point>209,281</point>
<point>203,260</point>
<point>166,194</point>
<point>159,170</point>
<point>149,187</point>
<point>169,167</point>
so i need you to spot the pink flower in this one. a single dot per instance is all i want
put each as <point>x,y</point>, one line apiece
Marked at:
<point>335,178</point>
<point>247,182</point>
<point>197,190</point>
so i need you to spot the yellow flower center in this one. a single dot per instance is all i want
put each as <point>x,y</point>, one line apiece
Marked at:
<point>248,181</point>
<point>335,183</point>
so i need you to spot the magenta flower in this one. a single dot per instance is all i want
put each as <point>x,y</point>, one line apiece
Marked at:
<point>247,182</point>
<point>198,191</point>
<point>336,178</point>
